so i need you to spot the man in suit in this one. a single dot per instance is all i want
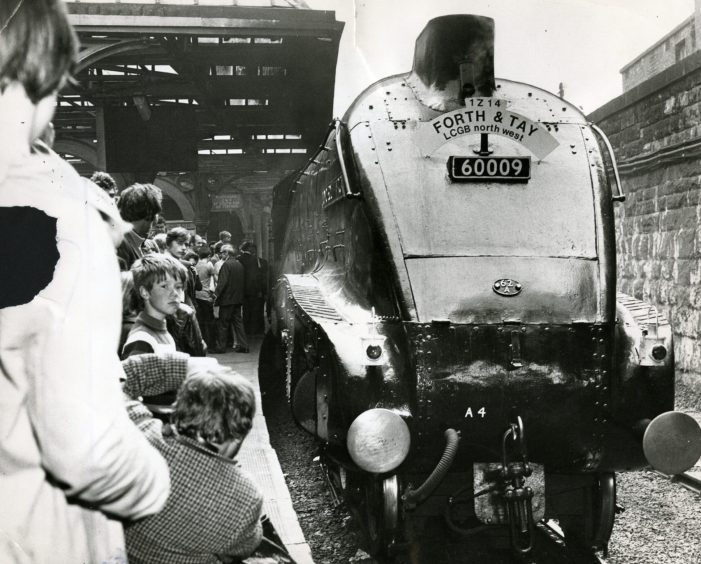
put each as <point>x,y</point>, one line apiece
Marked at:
<point>228,304</point>
<point>255,288</point>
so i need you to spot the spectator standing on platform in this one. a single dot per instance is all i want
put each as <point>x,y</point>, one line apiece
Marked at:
<point>228,302</point>
<point>198,242</point>
<point>150,246</point>
<point>158,285</point>
<point>176,246</point>
<point>192,258</point>
<point>184,325</point>
<point>218,258</point>
<point>138,204</point>
<point>255,288</point>
<point>224,238</point>
<point>72,464</point>
<point>160,240</point>
<point>214,511</point>
<point>204,298</point>
<point>159,225</point>
<point>106,182</point>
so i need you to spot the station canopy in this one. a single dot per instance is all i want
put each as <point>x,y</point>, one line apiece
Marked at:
<point>254,79</point>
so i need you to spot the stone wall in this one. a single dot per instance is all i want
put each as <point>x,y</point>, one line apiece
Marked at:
<point>655,130</point>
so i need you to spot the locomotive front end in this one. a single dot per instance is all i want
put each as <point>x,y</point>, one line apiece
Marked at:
<point>457,336</point>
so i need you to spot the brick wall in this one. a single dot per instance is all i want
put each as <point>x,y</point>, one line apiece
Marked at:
<point>655,130</point>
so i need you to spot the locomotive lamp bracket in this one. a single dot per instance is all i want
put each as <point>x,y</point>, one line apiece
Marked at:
<point>372,347</point>
<point>372,344</point>
<point>484,149</point>
<point>653,345</point>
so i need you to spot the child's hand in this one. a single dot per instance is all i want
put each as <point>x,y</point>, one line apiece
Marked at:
<point>184,308</point>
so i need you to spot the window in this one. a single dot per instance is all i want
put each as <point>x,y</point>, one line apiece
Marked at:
<point>272,71</point>
<point>233,40</point>
<point>680,50</point>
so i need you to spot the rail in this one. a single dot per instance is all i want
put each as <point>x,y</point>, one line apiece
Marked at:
<point>686,480</point>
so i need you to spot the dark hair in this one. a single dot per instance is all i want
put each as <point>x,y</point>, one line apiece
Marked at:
<point>104,181</point>
<point>216,405</point>
<point>223,233</point>
<point>38,47</point>
<point>218,246</point>
<point>140,201</point>
<point>247,246</point>
<point>204,252</point>
<point>191,255</point>
<point>178,234</point>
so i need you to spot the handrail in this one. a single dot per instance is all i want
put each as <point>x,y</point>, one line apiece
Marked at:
<point>621,197</point>
<point>342,160</point>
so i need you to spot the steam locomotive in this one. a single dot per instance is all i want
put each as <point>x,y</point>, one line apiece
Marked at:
<point>446,312</point>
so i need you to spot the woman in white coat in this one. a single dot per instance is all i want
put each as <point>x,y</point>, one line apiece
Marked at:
<point>71,462</point>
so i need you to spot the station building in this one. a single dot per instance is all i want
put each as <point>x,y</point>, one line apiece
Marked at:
<point>213,101</point>
<point>676,45</point>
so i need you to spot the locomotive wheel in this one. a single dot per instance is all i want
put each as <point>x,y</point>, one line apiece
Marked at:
<point>592,528</point>
<point>380,513</point>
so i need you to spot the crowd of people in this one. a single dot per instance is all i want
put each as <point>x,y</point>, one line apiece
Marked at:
<point>88,473</point>
<point>220,292</point>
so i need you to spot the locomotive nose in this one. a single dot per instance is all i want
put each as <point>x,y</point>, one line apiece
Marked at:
<point>672,442</point>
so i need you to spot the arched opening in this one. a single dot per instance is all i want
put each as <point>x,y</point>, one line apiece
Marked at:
<point>225,221</point>
<point>171,210</point>
<point>171,192</point>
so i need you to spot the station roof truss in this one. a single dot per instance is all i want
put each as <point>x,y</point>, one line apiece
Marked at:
<point>260,79</point>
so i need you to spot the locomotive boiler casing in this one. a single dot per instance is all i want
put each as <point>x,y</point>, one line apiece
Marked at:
<point>457,353</point>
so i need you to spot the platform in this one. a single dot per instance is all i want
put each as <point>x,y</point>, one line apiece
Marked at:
<point>260,460</point>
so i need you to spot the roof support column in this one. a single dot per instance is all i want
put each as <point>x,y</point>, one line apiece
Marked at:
<point>100,132</point>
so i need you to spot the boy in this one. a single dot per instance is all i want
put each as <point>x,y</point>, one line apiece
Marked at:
<point>214,511</point>
<point>158,283</point>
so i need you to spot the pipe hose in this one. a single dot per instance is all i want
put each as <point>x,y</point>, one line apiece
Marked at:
<point>418,495</point>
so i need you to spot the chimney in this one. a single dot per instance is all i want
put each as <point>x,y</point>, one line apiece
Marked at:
<point>454,59</point>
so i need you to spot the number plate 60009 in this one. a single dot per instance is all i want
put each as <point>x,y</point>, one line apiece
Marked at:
<point>481,169</point>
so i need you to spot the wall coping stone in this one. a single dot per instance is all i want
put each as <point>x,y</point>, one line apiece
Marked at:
<point>662,80</point>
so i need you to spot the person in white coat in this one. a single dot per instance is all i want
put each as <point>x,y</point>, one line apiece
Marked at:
<point>72,464</point>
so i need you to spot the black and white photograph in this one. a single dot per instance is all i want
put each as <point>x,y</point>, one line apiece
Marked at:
<point>350,282</point>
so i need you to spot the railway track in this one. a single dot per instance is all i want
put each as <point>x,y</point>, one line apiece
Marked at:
<point>689,480</point>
